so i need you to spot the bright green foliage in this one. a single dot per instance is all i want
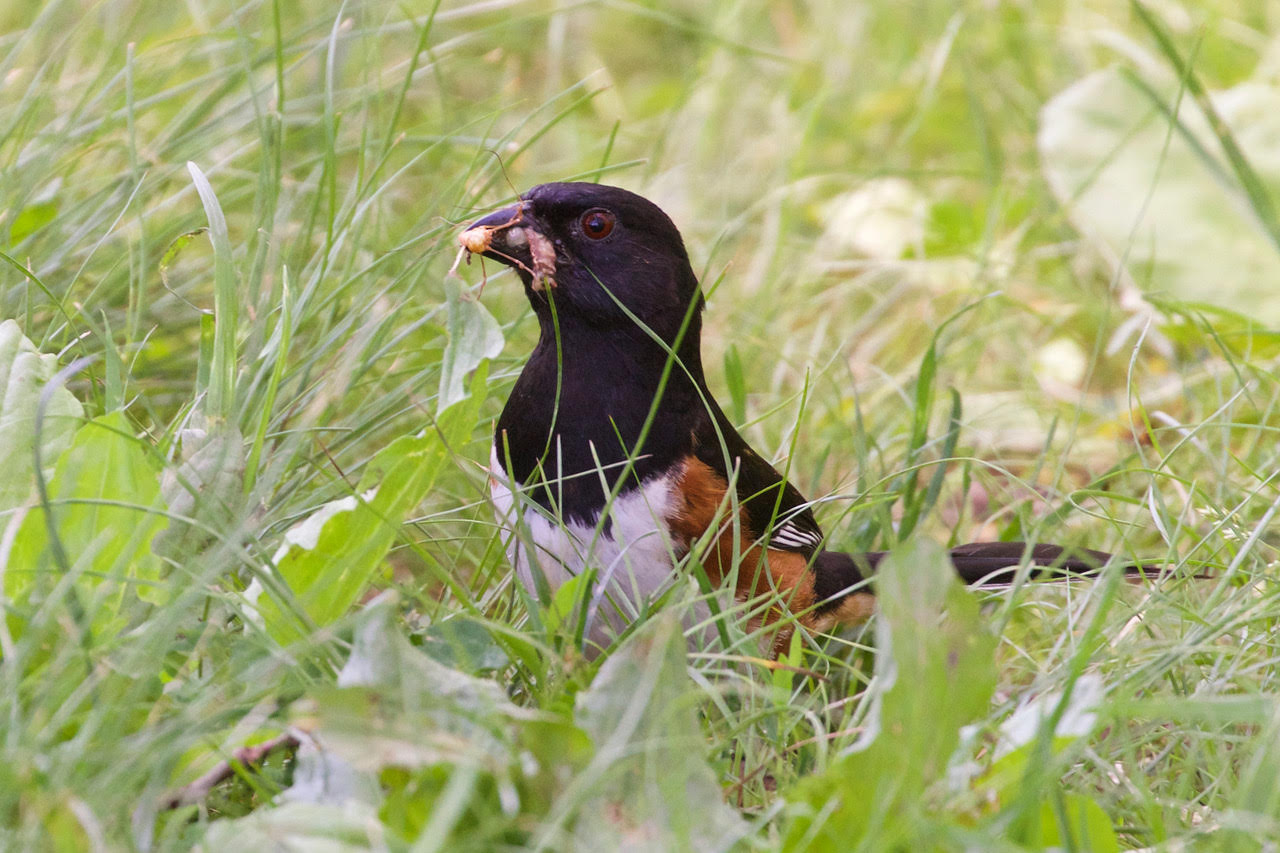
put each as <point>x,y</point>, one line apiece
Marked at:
<point>95,532</point>
<point>444,761</point>
<point>329,559</point>
<point>966,279</point>
<point>934,675</point>
<point>1058,818</point>
<point>1074,822</point>
<point>32,219</point>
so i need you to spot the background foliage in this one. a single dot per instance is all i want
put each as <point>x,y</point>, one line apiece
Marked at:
<point>977,270</point>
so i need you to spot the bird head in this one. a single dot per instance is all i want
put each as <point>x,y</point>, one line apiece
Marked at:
<point>607,258</point>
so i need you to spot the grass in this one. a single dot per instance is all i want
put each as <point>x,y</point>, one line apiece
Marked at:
<point>232,223</point>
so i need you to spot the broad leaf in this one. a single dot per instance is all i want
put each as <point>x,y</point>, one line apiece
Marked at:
<point>405,734</point>
<point>32,218</point>
<point>104,508</point>
<point>934,674</point>
<point>473,336</point>
<point>649,787</point>
<point>1157,197</point>
<point>329,559</point>
<point>396,706</point>
<point>464,643</point>
<point>1074,822</point>
<point>24,371</point>
<point>352,826</point>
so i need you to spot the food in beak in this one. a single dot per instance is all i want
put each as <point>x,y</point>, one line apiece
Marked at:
<point>479,239</point>
<point>544,258</point>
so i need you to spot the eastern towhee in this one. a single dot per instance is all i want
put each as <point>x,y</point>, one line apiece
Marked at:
<point>612,411</point>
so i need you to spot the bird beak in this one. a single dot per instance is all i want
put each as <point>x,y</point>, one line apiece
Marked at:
<point>510,237</point>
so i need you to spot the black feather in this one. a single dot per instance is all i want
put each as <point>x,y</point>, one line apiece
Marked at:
<point>615,388</point>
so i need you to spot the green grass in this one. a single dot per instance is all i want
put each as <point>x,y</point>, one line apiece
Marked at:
<point>861,186</point>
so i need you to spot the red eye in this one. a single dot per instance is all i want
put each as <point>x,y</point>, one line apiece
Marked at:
<point>597,224</point>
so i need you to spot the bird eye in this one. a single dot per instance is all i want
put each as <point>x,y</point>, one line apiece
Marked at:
<point>597,224</point>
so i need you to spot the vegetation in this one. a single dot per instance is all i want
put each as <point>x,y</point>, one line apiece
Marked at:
<point>977,270</point>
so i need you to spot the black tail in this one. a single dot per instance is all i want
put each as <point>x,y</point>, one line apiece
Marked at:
<point>978,562</point>
<point>997,562</point>
<point>843,596</point>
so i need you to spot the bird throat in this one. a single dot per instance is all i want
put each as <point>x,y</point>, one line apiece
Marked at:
<point>614,406</point>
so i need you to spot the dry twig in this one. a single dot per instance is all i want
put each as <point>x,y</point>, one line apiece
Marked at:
<point>245,756</point>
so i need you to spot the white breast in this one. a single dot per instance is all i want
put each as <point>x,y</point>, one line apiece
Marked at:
<point>633,558</point>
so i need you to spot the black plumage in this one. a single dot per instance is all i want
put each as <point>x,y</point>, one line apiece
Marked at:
<point>614,390</point>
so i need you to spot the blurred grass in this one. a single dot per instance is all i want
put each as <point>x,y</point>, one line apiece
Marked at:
<point>852,175</point>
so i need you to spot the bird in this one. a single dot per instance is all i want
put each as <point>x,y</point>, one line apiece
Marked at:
<point>611,455</point>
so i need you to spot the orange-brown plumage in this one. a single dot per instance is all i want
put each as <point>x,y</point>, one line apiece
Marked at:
<point>786,575</point>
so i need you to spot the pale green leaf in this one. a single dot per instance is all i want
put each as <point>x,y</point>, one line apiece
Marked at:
<point>326,828</point>
<point>931,643</point>
<point>473,336</point>
<point>649,786</point>
<point>395,706</point>
<point>206,486</point>
<point>226,303</point>
<point>1157,199</point>
<point>105,506</point>
<point>24,371</point>
<point>464,643</point>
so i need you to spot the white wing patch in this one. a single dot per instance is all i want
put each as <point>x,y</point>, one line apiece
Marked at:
<point>790,535</point>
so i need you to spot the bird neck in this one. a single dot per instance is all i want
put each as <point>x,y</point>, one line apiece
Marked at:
<point>593,403</point>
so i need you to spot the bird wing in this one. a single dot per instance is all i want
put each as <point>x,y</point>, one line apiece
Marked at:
<point>778,515</point>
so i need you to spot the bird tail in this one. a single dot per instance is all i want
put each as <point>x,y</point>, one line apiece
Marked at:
<point>843,593</point>
<point>998,562</point>
<point>978,563</point>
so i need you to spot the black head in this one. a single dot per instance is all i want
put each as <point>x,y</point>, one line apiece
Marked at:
<point>594,250</point>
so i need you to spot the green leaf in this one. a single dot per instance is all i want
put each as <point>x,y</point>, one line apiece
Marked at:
<point>736,383</point>
<point>32,218</point>
<point>1155,197</point>
<point>560,750</point>
<point>104,508</point>
<point>329,559</point>
<point>934,674</point>
<point>569,603</point>
<point>1256,793</point>
<point>396,707</point>
<point>405,682</point>
<point>205,486</point>
<point>226,303</point>
<point>1073,822</point>
<point>464,643</point>
<point>649,782</point>
<point>23,374</point>
<point>473,336</point>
